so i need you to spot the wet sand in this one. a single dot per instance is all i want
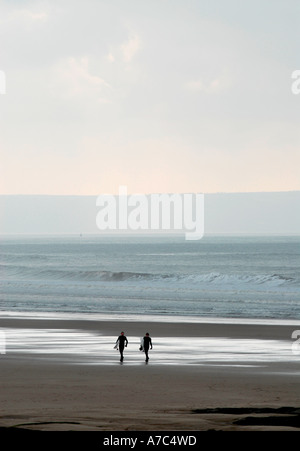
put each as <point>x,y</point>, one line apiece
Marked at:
<point>66,390</point>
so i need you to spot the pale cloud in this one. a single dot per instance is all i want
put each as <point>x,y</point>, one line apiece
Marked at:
<point>111,58</point>
<point>27,16</point>
<point>130,48</point>
<point>150,85</point>
<point>36,16</point>
<point>127,51</point>
<point>209,87</point>
<point>74,78</point>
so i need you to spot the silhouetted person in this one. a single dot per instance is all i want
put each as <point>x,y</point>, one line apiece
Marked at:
<point>121,343</point>
<point>147,343</point>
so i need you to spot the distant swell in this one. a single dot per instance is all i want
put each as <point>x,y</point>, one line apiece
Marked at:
<point>79,275</point>
<point>201,280</point>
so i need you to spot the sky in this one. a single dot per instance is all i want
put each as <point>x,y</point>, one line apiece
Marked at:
<point>159,96</point>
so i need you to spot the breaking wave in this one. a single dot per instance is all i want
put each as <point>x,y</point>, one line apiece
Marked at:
<point>202,280</point>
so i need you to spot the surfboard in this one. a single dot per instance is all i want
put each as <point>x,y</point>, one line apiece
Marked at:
<point>142,344</point>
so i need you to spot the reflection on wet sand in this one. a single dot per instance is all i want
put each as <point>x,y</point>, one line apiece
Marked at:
<point>76,346</point>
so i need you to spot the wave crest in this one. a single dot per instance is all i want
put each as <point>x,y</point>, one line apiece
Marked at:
<point>202,280</point>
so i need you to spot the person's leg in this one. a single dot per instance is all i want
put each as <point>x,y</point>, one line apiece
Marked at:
<point>121,349</point>
<point>146,354</point>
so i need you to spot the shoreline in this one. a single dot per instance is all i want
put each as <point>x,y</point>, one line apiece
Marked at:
<point>91,340</point>
<point>173,318</point>
<point>164,326</point>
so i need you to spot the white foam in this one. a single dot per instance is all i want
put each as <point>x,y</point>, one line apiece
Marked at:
<point>146,318</point>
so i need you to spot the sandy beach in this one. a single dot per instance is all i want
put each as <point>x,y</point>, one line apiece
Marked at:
<point>65,375</point>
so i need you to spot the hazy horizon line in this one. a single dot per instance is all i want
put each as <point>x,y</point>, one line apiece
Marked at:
<point>149,194</point>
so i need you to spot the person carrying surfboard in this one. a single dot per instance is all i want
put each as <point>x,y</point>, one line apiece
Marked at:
<point>121,343</point>
<point>146,344</point>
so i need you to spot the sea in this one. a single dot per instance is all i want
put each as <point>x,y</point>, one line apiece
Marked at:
<point>254,277</point>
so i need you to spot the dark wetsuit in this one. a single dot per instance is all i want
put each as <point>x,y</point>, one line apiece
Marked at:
<point>122,342</point>
<point>146,344</point>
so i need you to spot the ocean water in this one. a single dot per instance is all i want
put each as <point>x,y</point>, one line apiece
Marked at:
<point>219,277</point>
